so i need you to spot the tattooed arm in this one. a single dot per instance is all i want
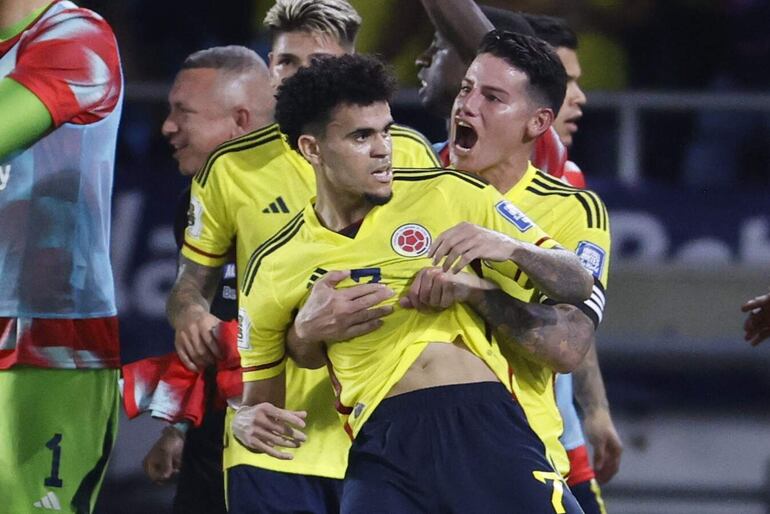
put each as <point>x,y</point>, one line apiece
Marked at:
<point>556,272</point>
<point>187,310</point>
<point>601,432</point>
<point>554,335</point>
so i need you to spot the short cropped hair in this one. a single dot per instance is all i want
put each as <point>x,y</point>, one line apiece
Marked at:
<point>553,30</point>
<point>232,58</point>
<point>305,101</point>
<point>336,18</point>
<point>503,19</point>
<point>534,57</point>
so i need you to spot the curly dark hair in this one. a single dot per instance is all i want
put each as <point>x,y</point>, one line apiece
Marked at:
<point>536,58</point>
<point>306,99</point>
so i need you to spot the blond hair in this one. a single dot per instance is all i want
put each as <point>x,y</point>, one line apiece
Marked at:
<point>336,18</point>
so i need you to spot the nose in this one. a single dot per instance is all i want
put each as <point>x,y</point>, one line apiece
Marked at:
<point>469,103</point>
<point>580,96</point>
<point>169,127</point>
<point>381,146</point>
<point>424,59</point>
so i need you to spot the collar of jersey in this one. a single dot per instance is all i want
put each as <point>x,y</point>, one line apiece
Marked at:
<point>523,182</point>
<point>317,228</point>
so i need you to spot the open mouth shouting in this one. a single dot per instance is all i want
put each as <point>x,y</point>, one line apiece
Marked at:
<point>465,137</point>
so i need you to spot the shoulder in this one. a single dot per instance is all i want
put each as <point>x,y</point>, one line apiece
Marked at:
<point>66,21</point>
<point>273,248</point>
<point>440,177</point>
<point>580,200</point>
<point>411,148</point>
<point>248,152</point>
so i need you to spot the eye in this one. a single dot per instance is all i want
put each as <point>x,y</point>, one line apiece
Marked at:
<point>464,90</point>
<point>491,98</point>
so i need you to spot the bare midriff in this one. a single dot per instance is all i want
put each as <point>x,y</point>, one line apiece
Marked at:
<point>443,364</point>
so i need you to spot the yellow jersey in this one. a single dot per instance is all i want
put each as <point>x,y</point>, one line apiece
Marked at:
<point>249,188</point>
<point>390,247</point>
<point>577,219</point>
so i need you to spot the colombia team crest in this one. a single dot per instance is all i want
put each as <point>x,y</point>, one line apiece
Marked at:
<point>411,240</point>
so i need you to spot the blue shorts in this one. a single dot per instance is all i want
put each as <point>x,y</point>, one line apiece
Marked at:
<point>589,495</point>
<point>255,490</point>
<point>461,448</point>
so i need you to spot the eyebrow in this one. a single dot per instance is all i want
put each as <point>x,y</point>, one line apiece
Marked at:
<point>370,130</point>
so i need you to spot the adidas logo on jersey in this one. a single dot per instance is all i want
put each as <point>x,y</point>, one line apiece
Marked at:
<point>278,205</point>
<point>318,273</point>
<point>48,502</point>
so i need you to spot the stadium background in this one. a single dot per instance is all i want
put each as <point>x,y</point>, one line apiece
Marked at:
<point>675,138</point>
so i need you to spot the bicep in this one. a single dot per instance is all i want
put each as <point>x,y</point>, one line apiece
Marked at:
<point>25,118</point>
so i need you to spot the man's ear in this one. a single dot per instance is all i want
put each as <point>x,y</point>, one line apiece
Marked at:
<point>310,149</point>
<point>242,119</point>
<point>540,121</point>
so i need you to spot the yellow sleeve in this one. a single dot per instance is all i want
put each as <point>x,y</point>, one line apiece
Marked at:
<point>411,149</point>
<point>262,324</point>
<point>210,231</point>
<point>590,239</point>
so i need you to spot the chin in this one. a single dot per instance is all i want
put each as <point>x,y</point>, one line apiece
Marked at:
<point>379,199</point>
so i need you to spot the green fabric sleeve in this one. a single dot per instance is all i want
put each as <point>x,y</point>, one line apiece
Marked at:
<point>24,120</point>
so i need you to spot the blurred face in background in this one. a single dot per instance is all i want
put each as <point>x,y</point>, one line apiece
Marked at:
<point>202,115</point>
<point>440,71</point>
<point>566,123</point>
<point>291,50</point>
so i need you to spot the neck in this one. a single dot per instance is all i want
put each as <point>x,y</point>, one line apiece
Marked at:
<point>504,175</point>
<point>337,210</point>
<point>14,11</point>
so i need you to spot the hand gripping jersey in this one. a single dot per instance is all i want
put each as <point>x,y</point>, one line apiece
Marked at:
<point>249,189</point>
<point>390,248</point>
<point>578,220</point>
<point>57,306</point>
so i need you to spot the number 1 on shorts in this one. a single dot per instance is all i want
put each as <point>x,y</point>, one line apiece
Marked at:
<point>53,445</point>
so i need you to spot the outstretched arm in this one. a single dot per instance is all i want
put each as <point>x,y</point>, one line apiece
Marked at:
<point>757,324</point>
<point>187,310</point>
<point>25,118</point>
<point>461,22</point>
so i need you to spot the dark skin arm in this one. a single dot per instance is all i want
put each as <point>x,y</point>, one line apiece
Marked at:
<point>461,22</point>
<point>757,325</point>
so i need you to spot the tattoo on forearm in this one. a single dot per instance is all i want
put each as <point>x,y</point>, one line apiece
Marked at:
<point>589,385</point>
<point>195,285</point>
<point>550,334</point>
<point>556,273</point>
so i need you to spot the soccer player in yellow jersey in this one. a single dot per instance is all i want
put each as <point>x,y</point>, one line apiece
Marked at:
<point>249,188</point>
<point>425,395</point>
<point>502,90</point>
